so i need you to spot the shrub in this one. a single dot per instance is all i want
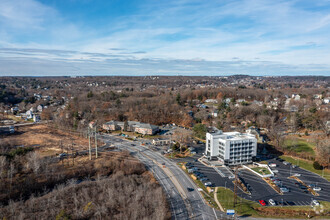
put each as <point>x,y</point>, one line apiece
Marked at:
<point>317,166</point>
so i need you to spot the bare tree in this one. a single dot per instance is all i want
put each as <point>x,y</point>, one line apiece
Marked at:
<point>276,133</point>
<point>3,165</point>
<point>34,162</point>
<point>323,152</point>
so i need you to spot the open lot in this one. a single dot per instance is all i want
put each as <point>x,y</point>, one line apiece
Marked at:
<point>46,139</point>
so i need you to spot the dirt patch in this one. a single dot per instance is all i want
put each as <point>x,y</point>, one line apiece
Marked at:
<point>46,140</point>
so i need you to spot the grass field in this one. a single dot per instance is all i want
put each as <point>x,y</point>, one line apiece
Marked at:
<point>244,207</point>
<point>299,146</point>
<point>307,166</point>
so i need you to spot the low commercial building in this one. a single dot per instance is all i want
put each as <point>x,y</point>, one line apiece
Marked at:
<point>161,142</point>
<point>133,126</point>
<point>231,148</point>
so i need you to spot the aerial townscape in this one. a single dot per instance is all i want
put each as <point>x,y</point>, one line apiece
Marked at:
<point>164,110</point>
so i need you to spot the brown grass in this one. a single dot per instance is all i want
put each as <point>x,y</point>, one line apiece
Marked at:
<point>46,139</point>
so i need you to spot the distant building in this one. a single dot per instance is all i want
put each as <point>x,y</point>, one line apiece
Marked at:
<point>215,113</point>
<point>211,101</point>
<point>231,148</point>
<point>29,114</point>
<point>36,118</point>
<point>295,97</point>
<point>40,108</point>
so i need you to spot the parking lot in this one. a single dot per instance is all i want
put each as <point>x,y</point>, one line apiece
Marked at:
<point>260,190</point>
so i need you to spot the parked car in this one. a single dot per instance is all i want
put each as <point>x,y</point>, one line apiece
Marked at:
<point>277,182</point>
<point>290,203</point>
<point>272,165</point>
<point>204,179</point>
<point>294,166</point>
<point>208,184</point>
<point>317,188</point>
<point>284,189</point>
<point>315,202</point>
<point>190,171</point>
<point>275,171</point>
<point>199,189</point>
<point>297,174</point>
<point>272,202</point>
<point>262,202</point>
<point>311,185</point>
<point>286,163</point>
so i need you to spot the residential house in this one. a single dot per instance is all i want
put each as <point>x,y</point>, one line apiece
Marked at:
<point>215,113</point>
<point>40,108</point>
<point>211,101</point>
<point>36,118</point>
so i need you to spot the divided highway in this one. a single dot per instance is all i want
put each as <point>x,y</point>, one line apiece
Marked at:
<point>194,206</point>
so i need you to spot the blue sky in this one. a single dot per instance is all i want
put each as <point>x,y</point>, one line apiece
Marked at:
<point>185,37</point>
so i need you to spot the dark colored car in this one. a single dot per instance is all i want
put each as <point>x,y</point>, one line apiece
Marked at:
<point>190,189</point>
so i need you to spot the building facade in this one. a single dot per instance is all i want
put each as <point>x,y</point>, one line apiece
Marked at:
<point>231,148</point>
<point>132,126</point>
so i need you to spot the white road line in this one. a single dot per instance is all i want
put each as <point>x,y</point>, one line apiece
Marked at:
<point>216,217</point>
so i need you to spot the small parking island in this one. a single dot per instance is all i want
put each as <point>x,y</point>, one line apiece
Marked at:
<point>261,170</point>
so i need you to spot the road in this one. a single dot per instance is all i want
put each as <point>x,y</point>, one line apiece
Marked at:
<point>194,204</point>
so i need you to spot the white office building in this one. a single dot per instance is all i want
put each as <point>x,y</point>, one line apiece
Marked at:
<point>231,148</point>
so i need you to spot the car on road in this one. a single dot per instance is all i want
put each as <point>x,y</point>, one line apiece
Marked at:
<point>62,155</point>
<point>199,189</point>
<point>272,202</point>
<point>190,189</point>
<point>317,188</point>
<point>315,202</point>
<point>208,184</point>
<point>262,202</point>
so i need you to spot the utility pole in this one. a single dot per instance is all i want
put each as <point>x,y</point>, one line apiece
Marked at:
<point>67,154</point>
<point>235,188</point>
<point>89,143</point>
<point>61,158</point>
<point>73,156</point>
<point>96,153</point>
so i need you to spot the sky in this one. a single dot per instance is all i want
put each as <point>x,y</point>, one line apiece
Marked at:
<point>156,37</point>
